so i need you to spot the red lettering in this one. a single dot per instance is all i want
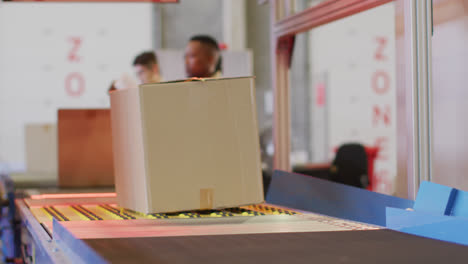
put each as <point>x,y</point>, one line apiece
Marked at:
<point>379,114</point>
<point>74,84</point>
<point>320,95</point>
<point>382,42</point>
<point>73,54</point>
<point>381,143</point>
<point>380,82</point>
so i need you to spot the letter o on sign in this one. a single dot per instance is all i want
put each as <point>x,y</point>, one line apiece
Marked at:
<point>74,84</point>
<point>380,82</point>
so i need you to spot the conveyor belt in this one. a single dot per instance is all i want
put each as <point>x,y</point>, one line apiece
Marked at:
<point>84,218</point>
<point>91,228</point>
<point>350,247</point>
<point>88,217</point>
<point>98,212</point>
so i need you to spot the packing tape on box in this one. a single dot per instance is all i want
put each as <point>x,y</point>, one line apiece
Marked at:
<point>195,79</point>
<point>206,198</point>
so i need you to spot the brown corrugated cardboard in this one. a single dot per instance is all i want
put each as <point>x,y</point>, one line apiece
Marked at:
<point>186,145</point>
<point>85,156</point>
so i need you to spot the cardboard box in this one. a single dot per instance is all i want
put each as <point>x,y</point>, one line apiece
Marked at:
<point>186,145</point>
<point>85,157</point>
<point>41,150</point>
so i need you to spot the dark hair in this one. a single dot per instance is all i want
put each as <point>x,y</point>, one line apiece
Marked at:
<point>146,59</point>
<point>112,87</point>
<point>212,44</point>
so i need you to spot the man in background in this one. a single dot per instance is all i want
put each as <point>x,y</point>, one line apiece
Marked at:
<point>202,57</point>
<point>146,68</point>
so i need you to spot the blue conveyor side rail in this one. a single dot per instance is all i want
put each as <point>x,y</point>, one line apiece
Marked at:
<point>333,199</point>
<point>440,212</point>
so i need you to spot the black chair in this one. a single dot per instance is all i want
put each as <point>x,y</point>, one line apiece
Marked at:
<point>350,166</point>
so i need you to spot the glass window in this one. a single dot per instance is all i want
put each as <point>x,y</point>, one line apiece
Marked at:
<point>343,90</point>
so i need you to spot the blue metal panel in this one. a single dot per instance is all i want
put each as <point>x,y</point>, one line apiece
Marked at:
<point>441,200</point>
<point>399,218</point>
<point>441,227</point>
<point>329,198</point>
<point>460,206</point>
<point>76,249</point>
<point>10,230</point>
<point>433,198</point>
<point>37,243</point>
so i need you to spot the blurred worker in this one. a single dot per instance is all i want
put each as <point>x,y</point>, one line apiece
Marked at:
<point>146,67</point>
<point>202,57</point>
